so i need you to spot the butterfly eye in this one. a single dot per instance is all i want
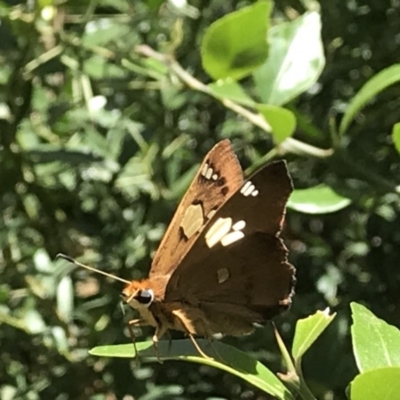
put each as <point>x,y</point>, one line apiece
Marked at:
<point>145,297</point>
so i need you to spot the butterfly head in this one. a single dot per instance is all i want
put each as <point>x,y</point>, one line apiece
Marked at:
<point>138,295</point>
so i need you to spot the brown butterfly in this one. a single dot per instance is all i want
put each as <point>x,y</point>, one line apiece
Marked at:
<point>221,266</point>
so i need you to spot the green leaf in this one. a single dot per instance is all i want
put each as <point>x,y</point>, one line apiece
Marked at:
<point>377,384</point>
<point>396,136</point>
<point>230,89</point>
<point>308,330</point>
<point>377,84</point>
<point>281,120</point>
<point>235,362</point>
<point>375,343</point>
<point>295,61</point>
<point>235,45</point>
<point>319,199</point>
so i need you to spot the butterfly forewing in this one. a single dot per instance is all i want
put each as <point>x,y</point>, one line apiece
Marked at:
<point>237,271</point>
<point>217,179</point>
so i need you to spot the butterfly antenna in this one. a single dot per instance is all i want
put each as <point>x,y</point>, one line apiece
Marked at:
<point>73,261</point>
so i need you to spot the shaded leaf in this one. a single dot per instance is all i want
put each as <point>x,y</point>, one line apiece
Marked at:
<point>234,361</point>
<point>319,199</point>
<point>292,67</point>
<point>236,44</point>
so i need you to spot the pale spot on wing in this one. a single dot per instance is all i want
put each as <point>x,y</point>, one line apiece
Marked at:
<point>204,169</point>
<point>245,187</point>
<point>222,275</point>
<point>232,238</point>
<point>209,173</point>
<point>215,177</point>
<point>239,226</point>
<point>249,189</point>
<point>217,231</point>
<point>192,220</point>
<point>211,214</point>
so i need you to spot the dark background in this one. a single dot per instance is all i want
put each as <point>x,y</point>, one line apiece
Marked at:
<point>103,185</point>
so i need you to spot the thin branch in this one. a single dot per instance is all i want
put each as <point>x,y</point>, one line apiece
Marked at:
<point>289,145</point>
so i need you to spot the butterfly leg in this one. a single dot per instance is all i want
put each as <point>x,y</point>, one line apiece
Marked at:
<point>131,324</point>
<point>160,330</point>
<point>191,337</point>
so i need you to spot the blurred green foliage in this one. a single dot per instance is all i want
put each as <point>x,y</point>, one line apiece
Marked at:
<point>98,142</point>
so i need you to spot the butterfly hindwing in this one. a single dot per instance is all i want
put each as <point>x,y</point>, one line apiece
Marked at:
<point>237,271</point>
<point>218,178</point>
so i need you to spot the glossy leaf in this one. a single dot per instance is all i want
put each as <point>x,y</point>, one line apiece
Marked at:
<point>377,384</point>
<point>295,60</point>
<point>308,331</point>
<point>319,199</point>
<point>228,359</point>
<point>281,120</point>
<point>235,45</point>
<point>374,86</point>
<point>375,343</point>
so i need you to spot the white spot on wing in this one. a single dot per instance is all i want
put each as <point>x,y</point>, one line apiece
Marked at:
<point>215,177</point>
<point>217,231</point>
<point>249,189</point>
<point>232,238</point>
<point>209,173</point>
<point>239,226</point>
<point>245,187</point>
<point>204,169</point>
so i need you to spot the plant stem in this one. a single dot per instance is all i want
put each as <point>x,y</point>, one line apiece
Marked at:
<point>290,145</point>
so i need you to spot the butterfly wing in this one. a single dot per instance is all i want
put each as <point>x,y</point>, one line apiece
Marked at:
<point>237,271</point>
<point>218,178</point>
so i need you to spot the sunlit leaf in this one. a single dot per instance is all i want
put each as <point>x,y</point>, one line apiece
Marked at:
<point>319,199</point>
<point>377,384</point>
<point>375,343</point>
<point>396,136</point>
<point>228,359</point>
<point>308,331</point>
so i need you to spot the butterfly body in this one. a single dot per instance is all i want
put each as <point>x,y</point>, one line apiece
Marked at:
<point>221,266</point>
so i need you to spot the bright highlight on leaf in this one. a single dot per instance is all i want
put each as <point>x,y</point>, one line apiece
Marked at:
<point>295,61</point>
<point>228,359</point>
<point>235,45</point>
<point>319,199</point>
